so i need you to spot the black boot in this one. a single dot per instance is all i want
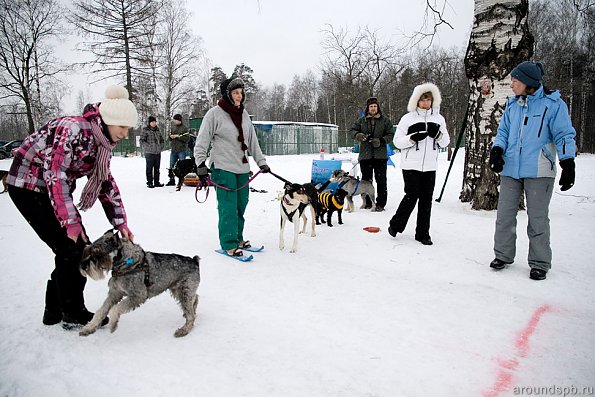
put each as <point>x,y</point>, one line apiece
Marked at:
<point>537,274</point>
<point>172,180</point>
<point>52,314</point>
<point>498,264</point>
<point>79,318</point>
<point>425,240</point>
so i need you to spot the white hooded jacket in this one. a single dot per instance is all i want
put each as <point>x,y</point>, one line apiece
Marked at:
<point>422,155</point>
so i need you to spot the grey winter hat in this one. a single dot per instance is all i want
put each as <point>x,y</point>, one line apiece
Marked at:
<point>228,85</point>
<point>529,73</point>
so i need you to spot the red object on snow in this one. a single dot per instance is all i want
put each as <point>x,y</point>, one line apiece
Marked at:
<point>372,229</point>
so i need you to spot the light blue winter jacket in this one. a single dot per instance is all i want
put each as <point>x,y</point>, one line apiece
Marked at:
<point>531,132</point>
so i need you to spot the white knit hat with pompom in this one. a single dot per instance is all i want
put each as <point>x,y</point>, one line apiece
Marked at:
<point>117,109</point>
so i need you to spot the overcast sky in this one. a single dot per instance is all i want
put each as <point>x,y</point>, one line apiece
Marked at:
<point>281,38</point>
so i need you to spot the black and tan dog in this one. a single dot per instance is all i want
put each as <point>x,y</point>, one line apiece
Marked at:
<point>3,175</point>
<point>329,203</point>
<point>294,202</point>
<point>183,168</point>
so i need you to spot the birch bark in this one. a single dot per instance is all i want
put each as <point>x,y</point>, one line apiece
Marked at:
<point>500,39</point>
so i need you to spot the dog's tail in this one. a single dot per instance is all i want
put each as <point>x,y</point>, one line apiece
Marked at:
<point>196,260</point>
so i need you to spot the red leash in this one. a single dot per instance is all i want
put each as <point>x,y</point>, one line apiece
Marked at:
<point>210,182</point>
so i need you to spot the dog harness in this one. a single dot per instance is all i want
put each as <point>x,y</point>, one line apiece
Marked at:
<point>347,180</point>
<point>125,266</point>
<point>326,198</point>
<point>299,209</point>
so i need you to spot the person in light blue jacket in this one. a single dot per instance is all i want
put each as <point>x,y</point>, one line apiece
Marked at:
<point>534,130</point>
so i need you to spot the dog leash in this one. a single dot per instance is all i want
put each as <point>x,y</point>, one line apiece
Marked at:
<point>279,177</point>
<point>210,182</point>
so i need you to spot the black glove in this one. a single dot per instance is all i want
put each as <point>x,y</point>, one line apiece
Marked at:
<point>567,178</point>
<point>376,142</point>
<point>433,130</point>
<point>203,174</point>
<point>496,160</point>
<point>265,168</point>
<point>418,136</point>
<point>361,137</point>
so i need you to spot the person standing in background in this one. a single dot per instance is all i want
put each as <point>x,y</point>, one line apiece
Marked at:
<point>179,138</point>
<point>373,131</point>
<point>420,133</point>
<point>152,144</point>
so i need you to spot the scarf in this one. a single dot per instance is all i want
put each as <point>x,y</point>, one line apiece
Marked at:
<point>236,116</point>
<point>100,173</point>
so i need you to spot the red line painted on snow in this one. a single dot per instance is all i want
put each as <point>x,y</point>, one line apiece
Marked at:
<point>506,368</point>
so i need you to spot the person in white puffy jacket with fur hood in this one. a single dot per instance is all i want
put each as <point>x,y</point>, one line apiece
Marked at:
<point>420,134</point>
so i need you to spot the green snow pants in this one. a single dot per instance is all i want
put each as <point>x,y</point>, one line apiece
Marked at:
<point>231,206</point>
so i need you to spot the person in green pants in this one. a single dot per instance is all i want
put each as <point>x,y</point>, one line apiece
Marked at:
<point>228,131</point>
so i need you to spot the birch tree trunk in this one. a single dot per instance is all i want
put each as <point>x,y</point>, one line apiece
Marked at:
<point>500,39</point>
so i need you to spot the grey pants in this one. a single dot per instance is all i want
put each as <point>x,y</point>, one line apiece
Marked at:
<point>538,193</point>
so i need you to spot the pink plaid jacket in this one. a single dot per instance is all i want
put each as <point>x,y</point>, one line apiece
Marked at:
<point>54,157</point>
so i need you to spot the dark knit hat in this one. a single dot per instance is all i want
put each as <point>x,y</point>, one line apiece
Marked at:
<point>228,85</point>
<point>530,73</point>
<point>177,117</point>
<point>151,119</point>
<point>371,100</point>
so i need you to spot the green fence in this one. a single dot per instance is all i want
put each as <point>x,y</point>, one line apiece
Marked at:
<point>278,138</point>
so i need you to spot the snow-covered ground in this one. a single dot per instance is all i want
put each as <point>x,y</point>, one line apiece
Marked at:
<point>350,314</point>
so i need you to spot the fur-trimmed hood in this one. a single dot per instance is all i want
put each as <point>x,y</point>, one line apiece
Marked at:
<point>421,89</point>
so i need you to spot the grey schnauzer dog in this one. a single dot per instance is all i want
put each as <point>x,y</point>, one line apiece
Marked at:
<point>354,186</point>
<point>138,275</point>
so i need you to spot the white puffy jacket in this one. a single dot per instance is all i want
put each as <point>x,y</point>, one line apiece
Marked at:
<point>422,155</point>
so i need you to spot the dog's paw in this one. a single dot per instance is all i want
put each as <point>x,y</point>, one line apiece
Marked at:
<point>113,326</point>
<point>181,332</point>
<point>293,250</point>
<point>86,331</point>
<point>313,235</point>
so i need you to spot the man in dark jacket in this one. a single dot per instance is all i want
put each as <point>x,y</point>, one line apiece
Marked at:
<point>179,138</point>
<point>373,131</point>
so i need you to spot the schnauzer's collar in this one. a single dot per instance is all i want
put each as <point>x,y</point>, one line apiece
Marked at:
<point>125,266</point>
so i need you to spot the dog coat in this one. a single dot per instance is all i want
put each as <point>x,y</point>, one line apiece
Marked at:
<point>328,198</point>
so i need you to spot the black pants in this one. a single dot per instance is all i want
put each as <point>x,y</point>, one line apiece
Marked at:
<point>378,168</point>
<point>65,289</point>
<point>152,170</point>
<point>419,186</point>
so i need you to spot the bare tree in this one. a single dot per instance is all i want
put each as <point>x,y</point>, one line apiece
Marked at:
<point>276,102</point>
<point>302,97</point>
<point>383,57</point>
<point>117,37</point>
<point>432,22</point>
<point>354,64</point>
<point>25,57</point>
<point>180,56</point>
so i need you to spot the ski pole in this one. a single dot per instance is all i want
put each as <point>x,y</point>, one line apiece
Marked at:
<point>458,143</point>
